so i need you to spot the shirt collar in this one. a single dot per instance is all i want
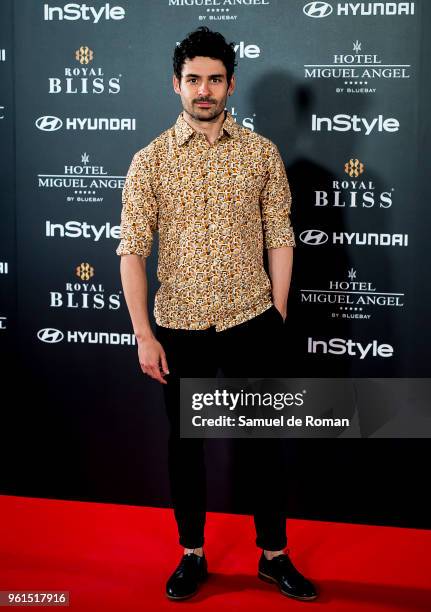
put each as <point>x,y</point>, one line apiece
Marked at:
<point>183,131</point>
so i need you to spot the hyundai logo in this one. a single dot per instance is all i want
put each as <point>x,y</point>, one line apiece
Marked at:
<point>317,9</point>
<point>49,123</point>
<point>313,237</point>
<point>50,335</point>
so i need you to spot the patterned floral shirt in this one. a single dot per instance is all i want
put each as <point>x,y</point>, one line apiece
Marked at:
<point>215,207</point>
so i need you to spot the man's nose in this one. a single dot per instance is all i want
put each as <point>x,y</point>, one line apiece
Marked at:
<point>204,89</point>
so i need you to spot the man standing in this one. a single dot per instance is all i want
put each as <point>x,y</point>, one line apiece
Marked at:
<point>218,194</point>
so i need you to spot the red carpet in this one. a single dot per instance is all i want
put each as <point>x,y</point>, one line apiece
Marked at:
<point>113,557</point>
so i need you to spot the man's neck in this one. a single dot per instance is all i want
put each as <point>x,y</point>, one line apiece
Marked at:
<point>210,129</point>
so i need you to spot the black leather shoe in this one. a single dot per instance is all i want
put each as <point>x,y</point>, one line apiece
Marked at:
<point>186,579</point>
<point>281,570</point>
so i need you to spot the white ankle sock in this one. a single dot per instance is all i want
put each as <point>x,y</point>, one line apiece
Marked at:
<point>192,550</point>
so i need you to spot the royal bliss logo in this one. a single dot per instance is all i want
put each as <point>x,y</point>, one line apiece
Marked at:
<point>84,293</point>
<point>85,78</point>
<point>356,191</point>
<point>247,122</point>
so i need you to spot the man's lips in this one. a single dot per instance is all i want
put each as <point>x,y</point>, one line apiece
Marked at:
<point>204,103</point>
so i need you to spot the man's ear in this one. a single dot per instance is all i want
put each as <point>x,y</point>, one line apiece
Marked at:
<point>176,84</point>
<point>232,85</point>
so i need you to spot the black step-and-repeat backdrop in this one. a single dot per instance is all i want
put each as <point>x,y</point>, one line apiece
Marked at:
<point>343,89</point>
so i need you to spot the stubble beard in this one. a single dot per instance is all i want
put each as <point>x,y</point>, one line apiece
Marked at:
<point>209,115</point>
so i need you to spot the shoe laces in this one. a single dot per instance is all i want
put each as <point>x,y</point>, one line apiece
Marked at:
<point>283,559</point>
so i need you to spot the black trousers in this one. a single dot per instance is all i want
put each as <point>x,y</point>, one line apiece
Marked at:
<point>253,349</point>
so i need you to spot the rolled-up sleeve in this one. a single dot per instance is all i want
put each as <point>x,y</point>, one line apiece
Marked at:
<point>139,212</point>
<point>275,201</point>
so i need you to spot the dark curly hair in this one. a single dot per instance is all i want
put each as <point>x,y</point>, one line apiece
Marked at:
<point>204,42</point>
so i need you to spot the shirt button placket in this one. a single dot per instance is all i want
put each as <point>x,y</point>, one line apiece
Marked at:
<point>212,224</point>
<point>206,153</point>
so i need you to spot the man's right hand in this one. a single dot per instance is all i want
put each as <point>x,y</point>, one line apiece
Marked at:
<point>152,359</point>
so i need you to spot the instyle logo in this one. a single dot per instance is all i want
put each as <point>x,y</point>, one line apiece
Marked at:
<point>341,346</point>
<point>353,123</point>
<point>74,11</point>
<point>247,51</point>
<point>244,50</point>
<point>50,123</point>
<point>50,335</point>
<point>318,10</point>
<point>78,229</point>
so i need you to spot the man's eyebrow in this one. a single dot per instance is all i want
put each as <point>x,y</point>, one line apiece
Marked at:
<point>211,76</point>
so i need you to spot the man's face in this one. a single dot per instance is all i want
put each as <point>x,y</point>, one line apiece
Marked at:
<point>203,88</point>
